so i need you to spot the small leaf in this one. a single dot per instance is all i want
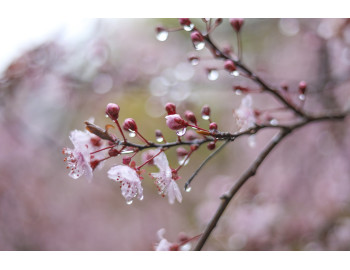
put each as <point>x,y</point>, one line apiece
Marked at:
<point>98,131</point>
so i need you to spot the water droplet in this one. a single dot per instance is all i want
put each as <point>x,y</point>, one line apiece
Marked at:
<point>274,122</point>
<point>213,74</point>
<point>188,188</point>
<point>205,117</point>
<point>128,202</point>
<point>141,198</point>
<point>188,27</point>
<point>132,134</point>
<point>183,162</point>
<point>199,45</point>
<point>106,115</point>
<point>235,73</point>
<point>127,152</point>
<point>238,92</point>
<point>159,139</point>
<point>162,35</point>
<point>302,97</point>
<point>251,141</point>
<point>181,132</point>
<point>194,61</point>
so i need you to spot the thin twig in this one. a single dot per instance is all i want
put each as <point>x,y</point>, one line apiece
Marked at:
<point>205,162</point>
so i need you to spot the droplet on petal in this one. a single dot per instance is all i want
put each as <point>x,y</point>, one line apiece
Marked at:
<point>199,45</point>
<point>213,74</point>
<point>181,132</point>
<point>129,202</point>
<point>302,97</point>
<point>205,117</point>
<point>274,122</point>
<point>188,188</point>
<point>159,139</point>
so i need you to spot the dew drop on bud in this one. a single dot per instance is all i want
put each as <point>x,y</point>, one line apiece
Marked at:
<point>181,132</point>
<point>141,198</point>
<point>106,116</point>
<point>238,92</point>
<point>302,97</point>
<point>132,134</point>
<point>194,61</point>
<point>198,45</point>
<point>162,35</point>
<point>188,27</point>
<point>235,73</point>
<point>129,202</point>
<point>159,139</point>
<point>188,188</point>
<point>205,117</point>
<point>213,74</point>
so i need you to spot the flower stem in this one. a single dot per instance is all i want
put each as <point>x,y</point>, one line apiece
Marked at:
<point>147,161</point>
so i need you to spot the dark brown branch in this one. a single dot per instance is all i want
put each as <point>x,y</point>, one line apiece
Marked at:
<point>248,174</point>
<point>254,77</point>
<point>251,171</point>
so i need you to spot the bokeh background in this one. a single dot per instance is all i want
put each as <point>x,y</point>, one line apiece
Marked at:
<point>299,199</point>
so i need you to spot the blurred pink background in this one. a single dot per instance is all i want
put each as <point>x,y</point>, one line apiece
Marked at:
<point>299,199</point>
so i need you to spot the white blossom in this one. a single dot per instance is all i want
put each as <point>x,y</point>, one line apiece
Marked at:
<point>164,179</point>
<point>129,180</point>
<point>245,116</point>
<point>78,159</point>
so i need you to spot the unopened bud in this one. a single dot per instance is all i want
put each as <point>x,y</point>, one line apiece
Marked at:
<point>181,152</point>
<point>213,126</point>
<point>126,160</point>
<point>112,111</point>
<point>170,108</point>
<point>191,117</point>
<point>185,21</point>
<point>113,152</point>
<point>302,87</point>
<point>191,135</point>
<point>130,125</point>
<point>211,145</point>
<point>196,36</point>
<point>218,21</point>
<point>175,122</point>
<point>236,24</point>
<point>194,147</point>
<point>230,66</point>
<point>205,112</point>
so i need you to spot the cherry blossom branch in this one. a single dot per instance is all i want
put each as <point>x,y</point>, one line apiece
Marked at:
<point>253,76</point>
<point>225,199</point>
<point>251,171</point>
